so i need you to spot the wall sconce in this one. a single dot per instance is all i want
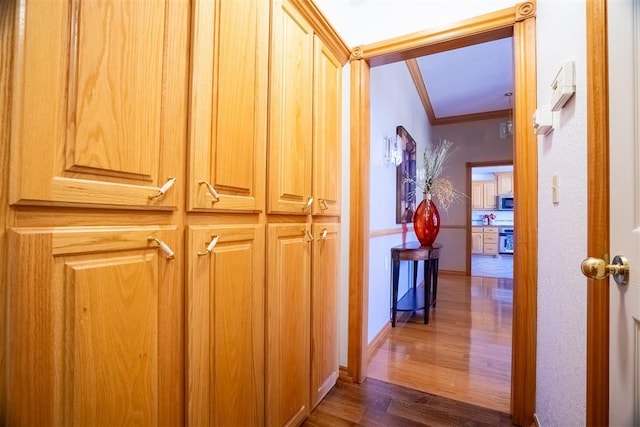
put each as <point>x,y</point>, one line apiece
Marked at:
<point>392,150</point>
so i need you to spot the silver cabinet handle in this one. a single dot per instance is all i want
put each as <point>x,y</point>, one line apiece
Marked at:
<point>309,201</point>
<point>324,234</point>
<point>212,244</point>
<point>308,234</point>
<point>167,185</point>
<point>163,247</point>
<point>211,190</point>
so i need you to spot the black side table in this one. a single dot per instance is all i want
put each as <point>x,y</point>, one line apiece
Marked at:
<point>415,299</point>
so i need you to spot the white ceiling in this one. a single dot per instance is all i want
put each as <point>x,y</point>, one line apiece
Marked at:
<point>469,80</point>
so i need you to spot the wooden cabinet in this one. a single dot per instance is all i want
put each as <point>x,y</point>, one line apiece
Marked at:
<point>228,126</point>
<point>483,195</point>
<point>505,182</point>
<point>225,324</point>
<point>305,127</point>
<point>93,318</point>
<point>291,111</point>
<point>477,240</point>
<point>288,323</point>
<point>324,310</point>
<point>95,99</point>
<point>327,146</point>
<point>490,241</point>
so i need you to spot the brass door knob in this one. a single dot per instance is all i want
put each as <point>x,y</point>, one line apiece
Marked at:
<point>596,268</point>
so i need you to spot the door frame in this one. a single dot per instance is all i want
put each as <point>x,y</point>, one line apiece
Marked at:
<point>597,394</point>
<point>517,21</point>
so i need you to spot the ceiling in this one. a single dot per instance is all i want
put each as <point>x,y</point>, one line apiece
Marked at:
<point>469,80</point>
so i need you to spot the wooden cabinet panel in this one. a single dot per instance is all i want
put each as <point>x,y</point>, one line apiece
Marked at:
<point>225,311</point>
<point>477,195</point>
<point>490,201</point>
<point>288,324</point>
<point>327,140</point>
<point>228,127</point>
<point>97,108</point>
<point>95,326</point>
<point>477,243</point>
<point>505,183</point>
<point>324,310</point>
<point>290,111</point>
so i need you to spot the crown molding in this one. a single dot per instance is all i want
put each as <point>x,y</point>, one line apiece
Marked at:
<point>323,29</point>
<point>498,114</point>
<point>416,75</point>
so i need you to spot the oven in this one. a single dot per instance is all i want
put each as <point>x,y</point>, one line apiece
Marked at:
<point>505,240</point>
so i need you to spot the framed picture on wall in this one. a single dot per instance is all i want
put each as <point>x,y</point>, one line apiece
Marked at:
<point>406,191</point>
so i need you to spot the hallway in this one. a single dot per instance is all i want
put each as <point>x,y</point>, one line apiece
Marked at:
<point>464,353</point>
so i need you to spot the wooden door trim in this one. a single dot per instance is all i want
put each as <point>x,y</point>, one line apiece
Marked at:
<point>522,26</point>
<point>597,394</point>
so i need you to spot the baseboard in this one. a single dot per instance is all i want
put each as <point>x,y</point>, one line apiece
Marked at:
<point>536,421</point>
<point>343,375</point>
<point>452,273</point>
<point>376,342</point>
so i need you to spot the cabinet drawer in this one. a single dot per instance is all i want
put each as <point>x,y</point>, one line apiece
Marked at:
<point>476,229</point>
<point>490,248</point>
<point>490,238</point>
<point>490,230</point>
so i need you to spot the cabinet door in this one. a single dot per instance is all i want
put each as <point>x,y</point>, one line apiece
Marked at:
<point>505,183</point>
<point>476,243</point>
<point>477,195</point>
<point>95,324</point>
<point>225,312</point>
<point>98,115</point>
<point>490,201</point>
<point>228,121</point>
<point>288,323</point>
<point>327,135</point>
<point>324,310</point>
<point>290,112</point>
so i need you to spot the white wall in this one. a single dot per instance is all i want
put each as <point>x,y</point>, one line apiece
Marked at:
<point>394,101</point>
<point>561,350</point>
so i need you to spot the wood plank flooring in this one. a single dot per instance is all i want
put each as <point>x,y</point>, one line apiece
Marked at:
<point>376,403</point>
<point>464,353</point>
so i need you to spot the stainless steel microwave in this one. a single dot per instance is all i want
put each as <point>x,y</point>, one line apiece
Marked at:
<point>505,202</point>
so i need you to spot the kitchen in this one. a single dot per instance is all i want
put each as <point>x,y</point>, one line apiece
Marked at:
<point>492,227</point>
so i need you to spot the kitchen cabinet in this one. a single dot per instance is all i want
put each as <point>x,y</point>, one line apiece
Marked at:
<point>324,310</point>
<point>93,326</point>
<point>483,194</point>
<point>225,325</point>
<point>477,240</point>
<point>505,182</point>
<point>490,241</point>
<point>228,128</point>
<point>95,106</point>
<point>305,110</point>
<point>288,323</point>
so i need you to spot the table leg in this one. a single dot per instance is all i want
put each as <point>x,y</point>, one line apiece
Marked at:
<point>434,273</point>
<point>394,294</point>
<point>427,290</point>
<point>415,287</point>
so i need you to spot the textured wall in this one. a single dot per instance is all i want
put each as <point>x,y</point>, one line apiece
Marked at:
<point>561,358</point>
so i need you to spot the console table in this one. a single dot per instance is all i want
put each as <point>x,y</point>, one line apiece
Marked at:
<point>415,299</point>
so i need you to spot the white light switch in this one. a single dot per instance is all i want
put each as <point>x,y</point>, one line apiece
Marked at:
<point>555,190</point>
<point>563,86</point>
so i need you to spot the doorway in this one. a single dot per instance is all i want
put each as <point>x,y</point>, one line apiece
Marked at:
<point>518,22</point>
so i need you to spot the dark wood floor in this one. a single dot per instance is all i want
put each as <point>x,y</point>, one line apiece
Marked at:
<point>377,403</point>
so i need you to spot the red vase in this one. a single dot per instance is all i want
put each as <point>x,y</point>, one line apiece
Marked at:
<point>426,222</point>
